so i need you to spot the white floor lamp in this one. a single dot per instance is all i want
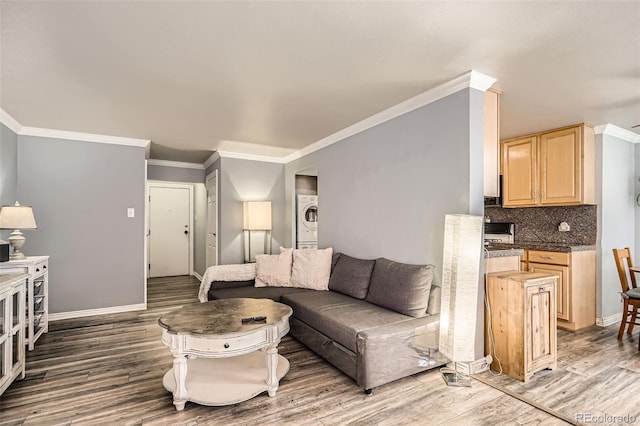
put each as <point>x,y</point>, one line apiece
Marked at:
<point>460,283</point>
<point>257,217</point>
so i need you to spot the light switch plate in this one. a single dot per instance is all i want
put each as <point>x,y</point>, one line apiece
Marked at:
<point>131,212</point>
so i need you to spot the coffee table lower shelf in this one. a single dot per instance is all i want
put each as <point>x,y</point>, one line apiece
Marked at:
<point>226,381</point>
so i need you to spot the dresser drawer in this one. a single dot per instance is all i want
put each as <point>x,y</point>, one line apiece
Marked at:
<point>553,257</point>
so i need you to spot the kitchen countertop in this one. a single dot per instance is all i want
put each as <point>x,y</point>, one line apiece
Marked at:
<point>501,250</point>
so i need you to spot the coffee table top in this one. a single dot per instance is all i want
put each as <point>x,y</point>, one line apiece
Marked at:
<point>223,316</point>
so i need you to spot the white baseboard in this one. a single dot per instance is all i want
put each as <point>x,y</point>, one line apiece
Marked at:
<point>611,319</point>
<point>100,311</point>
<point>197,275</point>
<point>474,367</point>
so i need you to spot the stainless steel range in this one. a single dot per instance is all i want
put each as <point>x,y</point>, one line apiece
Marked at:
<point>499,232</point>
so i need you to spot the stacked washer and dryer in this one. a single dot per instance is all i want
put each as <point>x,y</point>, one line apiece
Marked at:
<point>307,222</point>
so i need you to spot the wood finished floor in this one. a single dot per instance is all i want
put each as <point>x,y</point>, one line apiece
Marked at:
<point>107,370</point>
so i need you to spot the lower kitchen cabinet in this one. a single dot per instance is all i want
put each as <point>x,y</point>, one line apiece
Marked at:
<point>522,322</point>
<point>576,288</point>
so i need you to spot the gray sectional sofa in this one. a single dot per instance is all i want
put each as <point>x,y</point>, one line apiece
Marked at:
<point>378,322</point>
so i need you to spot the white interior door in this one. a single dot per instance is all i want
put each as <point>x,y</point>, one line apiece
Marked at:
<point>212,219</point>
<point>169,231</point>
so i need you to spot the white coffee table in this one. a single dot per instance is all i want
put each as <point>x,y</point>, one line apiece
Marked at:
<point>218,360</point>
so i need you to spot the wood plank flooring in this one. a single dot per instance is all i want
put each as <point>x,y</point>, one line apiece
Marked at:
<point>107,370</point>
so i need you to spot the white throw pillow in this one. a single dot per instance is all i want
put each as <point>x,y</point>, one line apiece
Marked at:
<point>274,270</point>
<point>311,268</point>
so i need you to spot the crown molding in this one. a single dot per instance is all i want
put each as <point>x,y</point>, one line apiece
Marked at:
<point>212,159</point>
<point>178,164</point>
<point>84,137</point>
<point>10,122</point>
<point>618,132</point>
<point>253,157</point>
<point>471,79</point>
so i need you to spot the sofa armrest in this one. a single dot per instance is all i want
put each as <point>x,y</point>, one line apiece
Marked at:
<point>397,350</point>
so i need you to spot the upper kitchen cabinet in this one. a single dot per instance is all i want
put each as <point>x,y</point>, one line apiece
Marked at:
<point>491,142</point>
<point>551,168</point>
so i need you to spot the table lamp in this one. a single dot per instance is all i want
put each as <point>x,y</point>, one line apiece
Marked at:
<point>17,217</point>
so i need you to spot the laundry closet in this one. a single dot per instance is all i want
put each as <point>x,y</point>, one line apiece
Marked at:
<point>306,190</point>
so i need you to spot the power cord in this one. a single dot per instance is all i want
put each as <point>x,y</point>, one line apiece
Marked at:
<point>487,304</point>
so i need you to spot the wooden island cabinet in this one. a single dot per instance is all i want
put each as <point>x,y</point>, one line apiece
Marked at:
<point>522,322</point>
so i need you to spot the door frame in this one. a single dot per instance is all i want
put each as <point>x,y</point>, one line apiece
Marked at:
<point>176,185</point>
<point>207,179</point>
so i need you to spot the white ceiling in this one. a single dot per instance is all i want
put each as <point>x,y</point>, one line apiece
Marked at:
<point>273,77</point>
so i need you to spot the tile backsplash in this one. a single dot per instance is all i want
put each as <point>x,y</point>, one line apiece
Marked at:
<point>540,224</point>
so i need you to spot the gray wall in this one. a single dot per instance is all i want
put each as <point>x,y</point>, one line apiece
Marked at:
<point>200,225</point>
<point>174,174</point>
<point>637,207</point>
<point>385,192</point>
<point>80,193</point>
<point>615,194</point>
<point>8,170</point>
<point>195,177</point>
<point>247,180</point>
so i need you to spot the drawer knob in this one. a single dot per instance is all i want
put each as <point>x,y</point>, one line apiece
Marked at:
<point>226,346</point>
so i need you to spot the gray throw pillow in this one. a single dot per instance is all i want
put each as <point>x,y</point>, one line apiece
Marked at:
<point>401,287</point>
<point>351,276</point>
<point>334,259</point>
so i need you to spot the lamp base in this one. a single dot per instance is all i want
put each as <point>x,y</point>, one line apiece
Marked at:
<point>16,240</point>
<point>454,378</point>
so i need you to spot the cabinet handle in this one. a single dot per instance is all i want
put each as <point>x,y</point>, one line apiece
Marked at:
<point>547,257</point>
<point>37,269</point>
<point>543,196</point>
<point>44,267</point>
<point>226,346</point>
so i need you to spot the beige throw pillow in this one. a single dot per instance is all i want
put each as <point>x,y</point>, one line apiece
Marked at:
<point>274,270</point>
<point>311,268</point>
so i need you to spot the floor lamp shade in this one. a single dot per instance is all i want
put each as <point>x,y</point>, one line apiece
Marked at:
<point>257,215</point>
<point>460,281</point>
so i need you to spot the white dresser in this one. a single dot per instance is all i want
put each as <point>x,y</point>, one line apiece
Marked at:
<point>12,320</point>
<point>37,302</point>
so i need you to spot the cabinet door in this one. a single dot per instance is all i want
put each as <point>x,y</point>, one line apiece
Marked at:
<point>541,330</point>
<point>519,172</point>
<point>561,167</point>
<point>562,286</point>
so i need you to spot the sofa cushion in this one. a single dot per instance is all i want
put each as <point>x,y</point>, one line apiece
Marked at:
<point>401,287</point>
<point>274,270</point>
<point>351,276</point>
<point>273,293</point>
<point>311,268</point>
<point>339,316</point>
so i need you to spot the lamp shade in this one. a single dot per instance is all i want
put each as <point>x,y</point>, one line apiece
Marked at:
<point>257,215</point>
<point>17,217</point>
<point>460,282</point>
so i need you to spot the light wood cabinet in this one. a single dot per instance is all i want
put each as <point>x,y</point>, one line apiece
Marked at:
<point>491,142</point>
<point>523,322</point>
<point>12,316</point>
<point>37,301</point>
<point>551,168</point>
<point>576,287</point>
